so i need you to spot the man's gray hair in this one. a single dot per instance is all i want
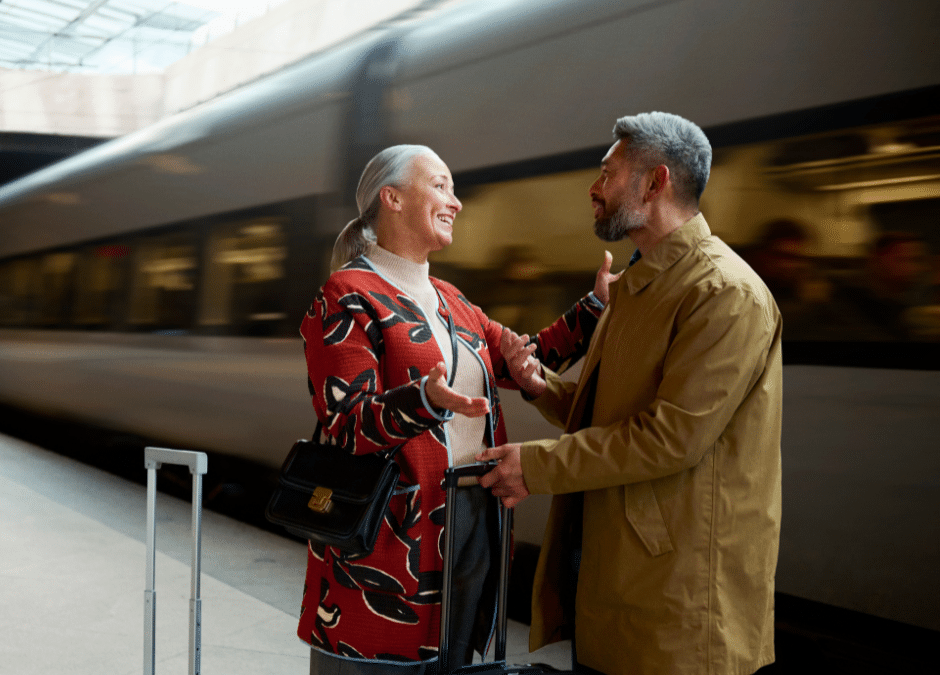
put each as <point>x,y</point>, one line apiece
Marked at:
<point>662,138</point>
<point>392,167</point>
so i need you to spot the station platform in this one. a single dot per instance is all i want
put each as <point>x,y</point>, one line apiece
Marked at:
<point>73,568</point>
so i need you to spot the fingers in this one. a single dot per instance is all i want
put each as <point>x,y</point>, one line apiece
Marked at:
<point>606,265</point>
<point>442,396</point>
<point>492,453</point>
<point>505,341</point>
<point>510,344</point>
<point>474,407</point>
<point>438,372</point>
<point>503,485</point>
<point>464,405</point>
<point>517,349</point>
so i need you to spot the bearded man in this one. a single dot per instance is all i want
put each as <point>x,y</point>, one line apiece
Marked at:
<point>667,479</point>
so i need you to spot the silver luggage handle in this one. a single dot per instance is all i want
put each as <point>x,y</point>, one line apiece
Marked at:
<point>197,463</point>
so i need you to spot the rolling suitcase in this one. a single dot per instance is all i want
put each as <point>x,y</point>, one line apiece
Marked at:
<point>498,665</point>
<point>197,463</point>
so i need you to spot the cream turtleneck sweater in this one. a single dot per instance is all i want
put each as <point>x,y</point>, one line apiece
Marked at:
<point>465,434</point>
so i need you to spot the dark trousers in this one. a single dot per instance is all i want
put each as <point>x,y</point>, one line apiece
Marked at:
<point>572,583</point>
<point>471,562</point>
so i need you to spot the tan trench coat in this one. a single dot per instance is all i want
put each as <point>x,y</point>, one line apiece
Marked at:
<point>680,470</point>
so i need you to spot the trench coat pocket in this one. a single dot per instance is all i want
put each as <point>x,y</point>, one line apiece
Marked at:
<point>643,513</point>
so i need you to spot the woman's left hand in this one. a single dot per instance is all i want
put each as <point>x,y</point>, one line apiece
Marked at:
<point>442,396</point>
<point>604,278</point>
<point>525,369</point>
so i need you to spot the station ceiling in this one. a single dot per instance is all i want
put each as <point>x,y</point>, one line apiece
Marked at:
<point>113,36</point>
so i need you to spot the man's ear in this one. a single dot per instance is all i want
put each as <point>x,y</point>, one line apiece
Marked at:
<point>658,182</point>
<point>390,197</point>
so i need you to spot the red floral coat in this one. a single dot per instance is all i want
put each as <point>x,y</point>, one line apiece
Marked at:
<point>368,347</point>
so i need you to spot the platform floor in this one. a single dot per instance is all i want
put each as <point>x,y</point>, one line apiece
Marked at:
<point>72,578</point>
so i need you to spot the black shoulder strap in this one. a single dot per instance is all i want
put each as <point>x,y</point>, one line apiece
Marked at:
<point>451,328</point>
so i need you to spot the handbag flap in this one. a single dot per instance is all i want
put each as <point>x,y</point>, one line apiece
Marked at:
<point>352,478</point>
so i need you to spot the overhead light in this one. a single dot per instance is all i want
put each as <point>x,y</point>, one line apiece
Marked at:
<point>891,148</point>
<point>879,182</point>
<point>173,164</point>
<point>63,198</point>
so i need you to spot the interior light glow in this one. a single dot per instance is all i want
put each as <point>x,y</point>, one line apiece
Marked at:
<point>879,182</point>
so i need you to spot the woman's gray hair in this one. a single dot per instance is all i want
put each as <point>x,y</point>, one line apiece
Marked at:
<point>389,167</point>
<point>662,138</point>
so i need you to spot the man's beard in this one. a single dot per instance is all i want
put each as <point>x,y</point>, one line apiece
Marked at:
<point>619,225</point>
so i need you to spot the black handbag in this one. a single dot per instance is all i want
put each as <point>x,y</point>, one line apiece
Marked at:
<point>332,497</point>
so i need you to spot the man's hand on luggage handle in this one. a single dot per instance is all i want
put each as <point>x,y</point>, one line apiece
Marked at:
<point>506,480</point>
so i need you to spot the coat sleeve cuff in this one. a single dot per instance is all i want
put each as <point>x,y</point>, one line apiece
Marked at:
<point>555,400</point>
<point>532,455</point>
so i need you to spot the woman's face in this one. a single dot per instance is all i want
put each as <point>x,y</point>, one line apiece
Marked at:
<point>428,208</point>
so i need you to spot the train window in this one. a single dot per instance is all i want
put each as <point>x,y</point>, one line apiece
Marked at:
<point>20,292</point>
<point>842,227</point>
<point>163,289</point>
<point>58,280</point>
<point>245,287</point>
<point>100,281</point>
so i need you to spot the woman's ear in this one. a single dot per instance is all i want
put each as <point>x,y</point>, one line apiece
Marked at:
<point>390,198</point>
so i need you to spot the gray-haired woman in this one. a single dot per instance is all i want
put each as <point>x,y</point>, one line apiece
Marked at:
<point>379,351</point>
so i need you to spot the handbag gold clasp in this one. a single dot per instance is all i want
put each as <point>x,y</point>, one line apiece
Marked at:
<point>320,501</point>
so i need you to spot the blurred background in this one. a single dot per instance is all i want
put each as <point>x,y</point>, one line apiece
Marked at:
<point>175,174</point>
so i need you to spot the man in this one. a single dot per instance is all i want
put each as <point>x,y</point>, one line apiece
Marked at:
<point>668,475</point>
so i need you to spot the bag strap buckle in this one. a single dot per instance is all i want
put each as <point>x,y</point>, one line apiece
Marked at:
<point>320,500</point>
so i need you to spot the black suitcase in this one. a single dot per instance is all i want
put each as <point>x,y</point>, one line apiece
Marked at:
<point>498,664</point>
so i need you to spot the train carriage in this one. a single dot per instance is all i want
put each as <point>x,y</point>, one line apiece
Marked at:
<point>155,284</point>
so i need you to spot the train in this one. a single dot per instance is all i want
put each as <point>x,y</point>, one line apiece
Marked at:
<point>154,284</point>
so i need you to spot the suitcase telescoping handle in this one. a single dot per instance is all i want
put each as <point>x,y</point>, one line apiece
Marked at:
<point>197,463</point>
<point>451,477</point>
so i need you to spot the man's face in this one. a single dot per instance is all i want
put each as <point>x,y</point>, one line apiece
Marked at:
<point>616,196</point>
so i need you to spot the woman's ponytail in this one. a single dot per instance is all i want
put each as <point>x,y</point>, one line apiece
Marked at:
<point>355,239</point>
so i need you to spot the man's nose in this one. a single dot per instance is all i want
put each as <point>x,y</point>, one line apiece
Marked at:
<point>593,190</point>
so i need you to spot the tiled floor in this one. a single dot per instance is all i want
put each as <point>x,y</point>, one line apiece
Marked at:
<point>72,578</point>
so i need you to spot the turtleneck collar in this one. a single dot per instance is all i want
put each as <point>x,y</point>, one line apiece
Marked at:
<point>411,277</point>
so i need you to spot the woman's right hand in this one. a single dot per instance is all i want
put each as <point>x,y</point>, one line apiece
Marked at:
<point>442,396</point>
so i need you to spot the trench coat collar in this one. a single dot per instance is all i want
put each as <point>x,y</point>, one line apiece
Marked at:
<point>665,254</point>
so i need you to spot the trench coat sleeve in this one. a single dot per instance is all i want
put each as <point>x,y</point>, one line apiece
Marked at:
<point>346,381</point>
<point>717,355</point>
<point>556,401</point>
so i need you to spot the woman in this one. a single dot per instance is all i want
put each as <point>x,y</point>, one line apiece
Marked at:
<point>379,351</point>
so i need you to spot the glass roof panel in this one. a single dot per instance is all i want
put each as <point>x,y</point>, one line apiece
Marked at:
<point>134,36</point>
<point>106,36</point>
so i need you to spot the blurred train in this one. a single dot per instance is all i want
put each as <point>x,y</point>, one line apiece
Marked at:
<point>155,283</point>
